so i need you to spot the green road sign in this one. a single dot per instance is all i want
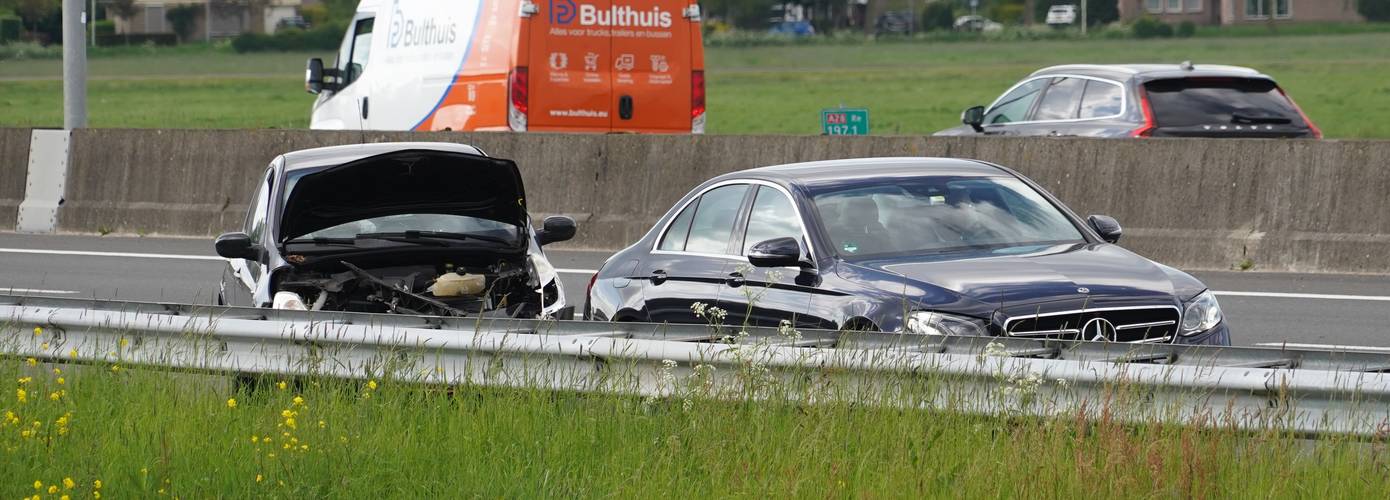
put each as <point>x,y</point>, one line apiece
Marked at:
<point>844,121</point>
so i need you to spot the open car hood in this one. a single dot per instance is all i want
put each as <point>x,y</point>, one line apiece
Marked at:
<point>415,181</point>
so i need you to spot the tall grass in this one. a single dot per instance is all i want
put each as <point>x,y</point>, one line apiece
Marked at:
<point>147,433</point>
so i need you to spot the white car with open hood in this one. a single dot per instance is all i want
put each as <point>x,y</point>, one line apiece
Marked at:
<point>410,228</point>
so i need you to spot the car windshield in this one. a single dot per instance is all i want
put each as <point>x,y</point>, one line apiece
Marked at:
<point>902,216</point>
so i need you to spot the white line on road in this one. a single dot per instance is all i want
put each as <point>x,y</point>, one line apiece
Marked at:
<point>23,291</point>
<point>1321,296</point>
<point>1329,347</point>
<point>87,253</point>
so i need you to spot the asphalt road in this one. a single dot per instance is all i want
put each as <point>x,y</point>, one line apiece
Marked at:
<point>1262,308</point>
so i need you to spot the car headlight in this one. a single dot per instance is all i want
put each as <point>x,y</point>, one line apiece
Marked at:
<point>935,323</point>
<point>1202,314</point>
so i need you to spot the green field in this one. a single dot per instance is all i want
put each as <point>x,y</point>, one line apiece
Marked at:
<point>148,434</point>
<point>910,87</point>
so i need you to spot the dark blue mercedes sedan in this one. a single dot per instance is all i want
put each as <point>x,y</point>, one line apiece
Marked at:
<point>914,245</point>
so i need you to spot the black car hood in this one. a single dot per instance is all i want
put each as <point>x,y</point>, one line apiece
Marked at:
<point>1041,274</point>
<point>405,182</point>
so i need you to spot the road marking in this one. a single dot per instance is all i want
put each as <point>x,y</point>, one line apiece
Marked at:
<point>85,253</point>
<point>1321,296</point>
<point>1331,347</point>
<point>22,291</point>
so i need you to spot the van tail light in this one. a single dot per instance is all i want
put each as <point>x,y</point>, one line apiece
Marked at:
<point>697,101</point>
<point>1148,129</point>
<point>518,84</point>
<point>1317,132</point>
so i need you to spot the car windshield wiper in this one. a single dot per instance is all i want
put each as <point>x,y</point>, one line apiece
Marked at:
<point>414,236</point>
<point>1260,119</point>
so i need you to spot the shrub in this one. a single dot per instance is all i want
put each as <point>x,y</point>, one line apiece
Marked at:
<point>938,15</point>
<point>1007,13</point>
<point>1186,29</point>
<point>181,18</point>
<point>105,27</point>
<point>9,29</point>
<point>323,37</point>
<point>1374,10</point>
<point>1148,27</point>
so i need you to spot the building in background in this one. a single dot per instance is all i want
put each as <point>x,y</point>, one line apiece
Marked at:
<point>1227,12</point>
<point>229,17</point>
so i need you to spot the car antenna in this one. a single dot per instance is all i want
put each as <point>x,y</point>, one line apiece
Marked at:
<point>361,127</point>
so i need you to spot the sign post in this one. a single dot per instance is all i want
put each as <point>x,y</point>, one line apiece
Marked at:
<point>844,121</point>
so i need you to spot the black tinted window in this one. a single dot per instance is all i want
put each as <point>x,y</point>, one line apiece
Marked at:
<point>1219,101</point>
<point>1061,100</point>
<point>772,217</point>
<point>1015,105</point>
<point>1101,99</point>
<point>714,219</point>
<point>680,227</point>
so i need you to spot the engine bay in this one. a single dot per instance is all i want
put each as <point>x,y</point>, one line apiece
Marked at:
<point>441,288</point>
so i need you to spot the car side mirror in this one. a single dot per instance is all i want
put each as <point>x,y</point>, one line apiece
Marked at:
<point>313,76</point>
<point>776,252</point>
<point>1107,227</point>
<point>237,245</point>
<point>973,116</point>
<point>557,228</point>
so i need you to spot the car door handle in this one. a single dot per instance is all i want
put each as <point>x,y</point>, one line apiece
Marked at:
<point>658,277</point>
<point>734,280</point>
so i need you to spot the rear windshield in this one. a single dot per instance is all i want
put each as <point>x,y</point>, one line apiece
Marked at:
<point>1188,102</point>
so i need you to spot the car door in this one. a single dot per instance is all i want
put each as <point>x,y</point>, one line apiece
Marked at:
<point>1016,105</point>
<point>688,264</point>
<point>762,296</point>
<point>349,107</point>
<point>1056,109</point>
<point>240,277</point>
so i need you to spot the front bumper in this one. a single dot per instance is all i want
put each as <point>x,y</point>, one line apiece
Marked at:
<point>1218,335</point>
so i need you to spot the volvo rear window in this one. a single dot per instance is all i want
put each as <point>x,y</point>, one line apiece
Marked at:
<point>1188,102</point>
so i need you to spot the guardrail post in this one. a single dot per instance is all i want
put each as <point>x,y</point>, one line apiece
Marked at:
<point>47,178</point>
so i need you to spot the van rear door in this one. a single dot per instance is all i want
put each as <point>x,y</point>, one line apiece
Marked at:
<point>652,66</point>
<point>570,85</point>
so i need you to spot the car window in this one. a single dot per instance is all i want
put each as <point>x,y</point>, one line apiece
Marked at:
<point>939,214</point>
<point>361,48</point>
<point>1187,102</point>
<point>1015,105</point>
<point>714,220</point>
<point>772,217</point>
<point>1101,99</point>
<point>674,239</point>
<point>256,213</point>
<point>1061,100</point>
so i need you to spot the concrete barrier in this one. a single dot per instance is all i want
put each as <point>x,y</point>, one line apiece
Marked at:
<point>14,167</point>
<point>1317,206</point>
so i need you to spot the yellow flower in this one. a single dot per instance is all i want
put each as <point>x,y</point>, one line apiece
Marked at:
<point>254,439</point>
<point>286,413</point>
<point>298,401</point>
<point>72,353</point>
<point>57,371</point>
<point>259,478</point>
<point>96,484</point>
<point>304,447</point>
<point>21,395</point>
<point>38,485</point>
<point>231,402</point>
<point>32,362</point>
<point>68,483</point>
<point>321,424</point>
<point>64,497</point>
<point>371,384</point>
<point>96,494</point>
<point>282,385</point>
<point>115,368</point>
<point>44,346</point>
<point>55,396</point>
<point>53,489</point>
<point>62,381</point>
<point>123,342</point>
<point>25,380</point>
<point>285,446</point>
<point>289,422</point>
<point>38,331</point>
<point>144,470</point>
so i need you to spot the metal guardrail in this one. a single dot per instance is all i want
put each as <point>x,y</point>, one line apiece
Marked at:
<point>1297,390</point>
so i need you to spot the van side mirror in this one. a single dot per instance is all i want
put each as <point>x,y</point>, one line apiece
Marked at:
<point>556,228</point>
<point>237,245</point>
<point>1107,227</point>
<point>776,252</point>
<point>974,116</point>
<point>313,76</point>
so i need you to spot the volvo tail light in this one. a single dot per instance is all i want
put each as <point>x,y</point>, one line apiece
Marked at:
<point>1317,132</point>
<point>1147,129</point>
<point>518,84</point>
<point>697,101</point>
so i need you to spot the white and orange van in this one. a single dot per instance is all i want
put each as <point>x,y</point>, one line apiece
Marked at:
<point>551,65</point>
